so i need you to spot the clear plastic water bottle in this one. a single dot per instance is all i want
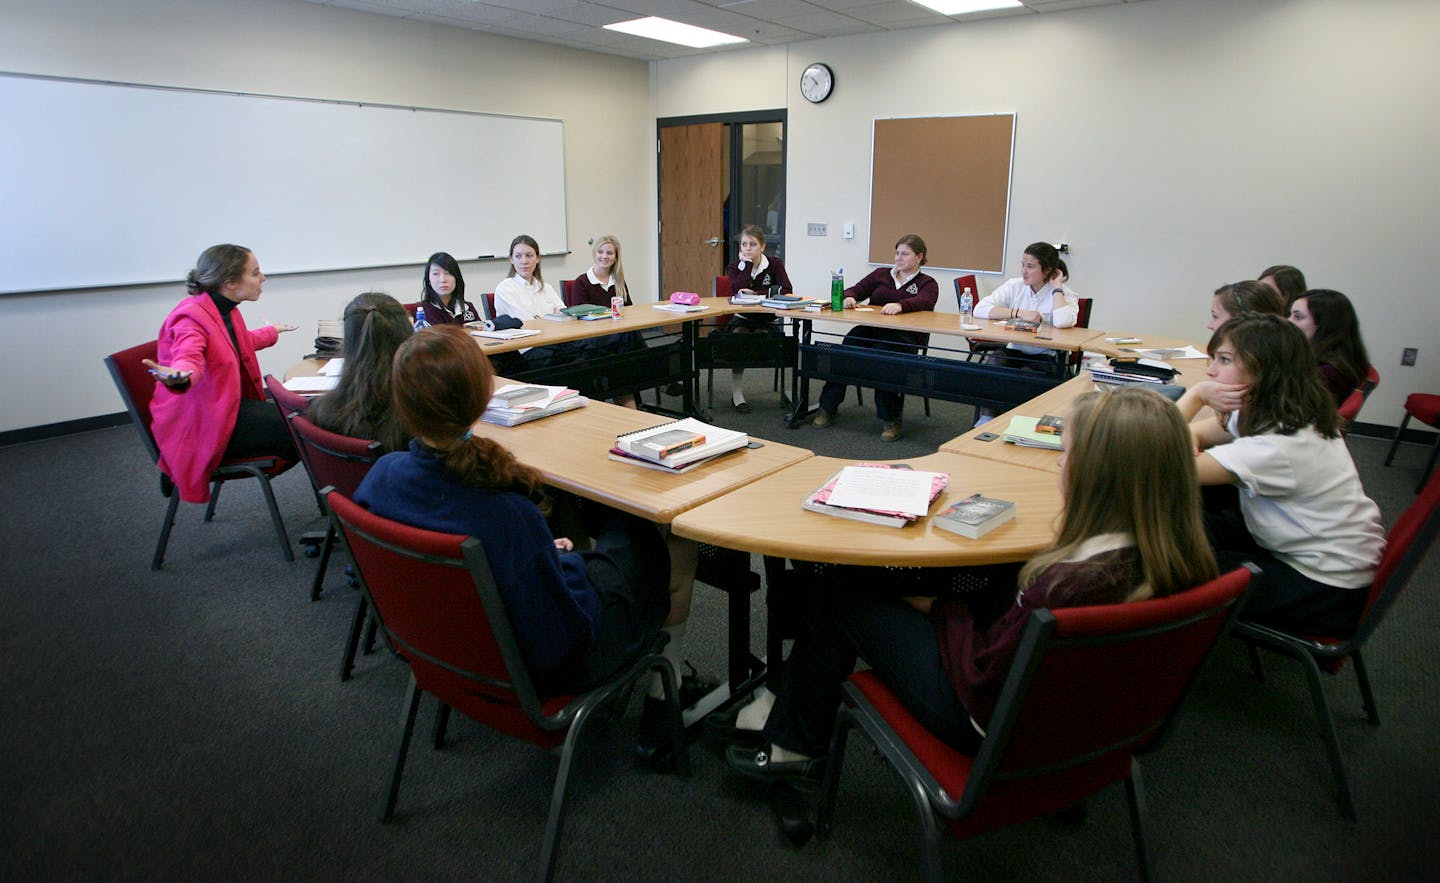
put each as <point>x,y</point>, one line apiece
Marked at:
<point>837,290</point>
<point>967,304</point>
<point>420,321</point>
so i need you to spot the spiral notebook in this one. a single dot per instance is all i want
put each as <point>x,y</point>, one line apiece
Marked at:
<point>716,441</point>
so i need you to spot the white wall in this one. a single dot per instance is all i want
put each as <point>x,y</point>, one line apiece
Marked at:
<point>1175,145</point>
<point>51,344</point>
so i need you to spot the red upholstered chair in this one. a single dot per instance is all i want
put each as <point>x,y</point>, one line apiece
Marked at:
<point>1424,407</point>
<point>567,292</point>
<point>443,614</point>
<point>1372,380</point>
<point>1350,408</point>
<point>332,460</point>
<point>137,389</point>
<point>1083,699</point>
<point>293,403</point>
<point>1407,544</point>
<point>779,357</point>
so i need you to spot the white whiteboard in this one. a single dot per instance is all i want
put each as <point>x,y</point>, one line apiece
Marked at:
<point>112,184</point>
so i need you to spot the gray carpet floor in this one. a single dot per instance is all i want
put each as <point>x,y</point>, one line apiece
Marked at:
<point>190,723</point>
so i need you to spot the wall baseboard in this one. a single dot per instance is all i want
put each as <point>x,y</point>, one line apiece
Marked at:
<point>66,427</point>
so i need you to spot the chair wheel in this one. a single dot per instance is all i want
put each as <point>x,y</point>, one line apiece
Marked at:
<point>312,551</point>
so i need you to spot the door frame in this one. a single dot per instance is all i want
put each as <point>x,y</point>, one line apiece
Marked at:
<point>777,115</point>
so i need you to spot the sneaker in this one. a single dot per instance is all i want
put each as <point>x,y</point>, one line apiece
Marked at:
<point>983,416</point>
<point>891,431</point>
<point>823,418</point>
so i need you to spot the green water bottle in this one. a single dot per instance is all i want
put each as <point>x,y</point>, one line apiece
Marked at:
<point>837,290</point>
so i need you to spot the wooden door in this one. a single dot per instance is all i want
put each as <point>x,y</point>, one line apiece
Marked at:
<point>692,234</point>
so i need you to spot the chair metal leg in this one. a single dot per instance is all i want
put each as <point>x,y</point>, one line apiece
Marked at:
<point>1390,455</point>
<point>555,822</point>
<point>1257,669</point>
<point>352,643</point>
<point>325,550</point>
<point>402,745</point>
<point>1135,799</point>
<point>1429,466</point>
<point>159,560</point>
<point>1326,722</point>
<point>929,832</point>
<point>1371,712</point>
<point>834,760</point>
<point>370,630</point>
<point>275,518</point>
<point>214,498</point>
<point>442,720</point>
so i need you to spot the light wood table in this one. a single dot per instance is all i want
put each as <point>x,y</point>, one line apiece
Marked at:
<point>766,518</point>
<point>1147,342</point>
<point>571,450</point>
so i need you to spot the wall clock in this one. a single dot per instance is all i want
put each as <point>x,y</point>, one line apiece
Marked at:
<point>817,81</point>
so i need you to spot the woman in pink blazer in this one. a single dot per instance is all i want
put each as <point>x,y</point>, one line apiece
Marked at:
<point>209,404</point>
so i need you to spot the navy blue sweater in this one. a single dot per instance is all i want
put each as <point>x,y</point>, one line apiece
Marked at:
<point>553,608</point>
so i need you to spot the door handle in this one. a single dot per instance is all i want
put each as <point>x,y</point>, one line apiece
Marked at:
<point>712,241</point>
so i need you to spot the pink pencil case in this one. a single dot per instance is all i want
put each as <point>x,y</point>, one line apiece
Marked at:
<point>689,298</point>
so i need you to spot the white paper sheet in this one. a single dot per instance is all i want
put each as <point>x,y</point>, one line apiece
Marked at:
<point>886,490</point>
<point>333,368</point>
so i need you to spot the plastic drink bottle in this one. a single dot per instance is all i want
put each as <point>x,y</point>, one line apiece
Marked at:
<point>420,321</point>
<point>967,303</point>
<point>837,290</point>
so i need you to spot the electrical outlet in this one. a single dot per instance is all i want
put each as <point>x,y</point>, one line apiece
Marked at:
<point>1407,356</point>
<point>815,229</point>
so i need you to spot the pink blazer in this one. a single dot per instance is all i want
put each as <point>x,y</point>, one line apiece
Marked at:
<point>192,425</point>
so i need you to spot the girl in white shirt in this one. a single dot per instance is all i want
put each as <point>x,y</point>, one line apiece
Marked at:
<point>1303,516</point>
<point>525,295</point>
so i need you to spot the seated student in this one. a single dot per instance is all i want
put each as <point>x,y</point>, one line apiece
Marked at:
<point>359,406</point>
<point>442,292</point>
<point>524,294</point>
<point>901,289</point>
<point>209,403</point>
<point>578,616</point>
<point>1038,294</point>
<point>1287,280</point>
<point>1131,530</point>
<point>1302,516</point>
<point>606,279</point>
<point>1328,319</point>
<point>1249,296</point>
<point>753,273</point>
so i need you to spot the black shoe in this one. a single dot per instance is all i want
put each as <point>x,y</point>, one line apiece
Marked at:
<point>741,407</point>
<point>694,686</point>
<point>757,765</point>
<point>675,389</point>
<point>721,725</point>
<point>794,810</point>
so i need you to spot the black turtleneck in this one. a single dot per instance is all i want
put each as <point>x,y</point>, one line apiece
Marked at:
<point>226,306</point>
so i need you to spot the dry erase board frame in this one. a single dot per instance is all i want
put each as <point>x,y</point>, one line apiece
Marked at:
<point>119,184</point>
<point>947,179</point>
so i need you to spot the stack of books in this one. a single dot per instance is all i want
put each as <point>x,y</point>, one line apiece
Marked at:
<point>518,403</point>
<point>788,302</point>
<point>1033,432</point>
<point>1122,372</point>
<point>678,446</point>
<point>975,516</point>
<point>748,300</point>
<point>890,494</point>
<point>504,333</point>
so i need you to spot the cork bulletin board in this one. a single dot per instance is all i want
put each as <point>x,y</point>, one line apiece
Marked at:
<point>947,179</point>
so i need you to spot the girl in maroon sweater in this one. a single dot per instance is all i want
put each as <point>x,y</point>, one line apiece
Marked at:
<point>1131,530</point>
<point>753,273</point>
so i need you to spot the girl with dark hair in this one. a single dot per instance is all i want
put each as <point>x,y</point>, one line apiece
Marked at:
<point>1328,319</point>
<point>753,273</point>
<point>442,292</point>
<point>899,289</point>
<point>1249,296</point>
<point>359,406</point>
<point>209,404</point>
<point>1287,280</point>
<point>578,616</point>
<point>1302,516</point>
<point>1131,530</point>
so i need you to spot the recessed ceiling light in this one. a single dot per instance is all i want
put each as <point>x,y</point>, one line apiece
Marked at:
<point>667,31</point>
<point>961,7</point>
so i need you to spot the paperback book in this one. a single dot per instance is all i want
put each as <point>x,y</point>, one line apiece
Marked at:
<point>506,334</point>
<point>1024,431</point>
<point>975,516</point>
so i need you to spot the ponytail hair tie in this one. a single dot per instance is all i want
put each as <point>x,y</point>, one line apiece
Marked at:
<point>467,436</point>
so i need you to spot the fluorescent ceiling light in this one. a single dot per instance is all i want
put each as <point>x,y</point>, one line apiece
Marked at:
<point>961,7</point>
<point>667,31</point>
